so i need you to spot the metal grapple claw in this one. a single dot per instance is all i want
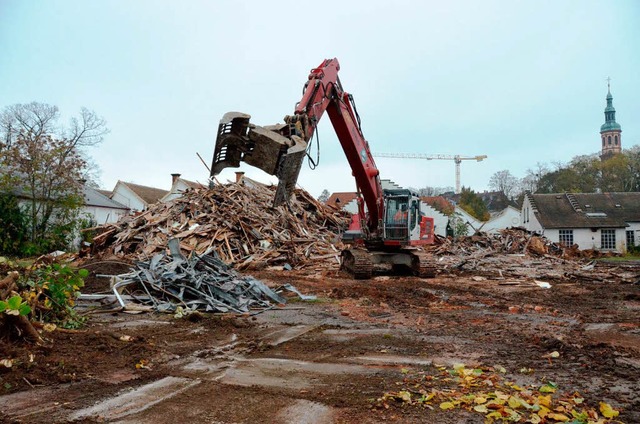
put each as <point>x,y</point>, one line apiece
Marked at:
<point>272,149</point>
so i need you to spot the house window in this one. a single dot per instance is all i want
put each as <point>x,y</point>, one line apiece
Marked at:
<point>608,239</point>
<point>616,140</point>
<point>609,140</point>
<point>631,239</point>
<point>565,237</point>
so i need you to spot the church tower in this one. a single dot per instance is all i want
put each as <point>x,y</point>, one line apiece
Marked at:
<point>610,131</point>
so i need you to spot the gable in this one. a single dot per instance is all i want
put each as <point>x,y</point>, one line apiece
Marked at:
<point>146,194</point>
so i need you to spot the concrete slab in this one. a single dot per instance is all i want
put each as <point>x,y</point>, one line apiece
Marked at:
<point>136,400</point>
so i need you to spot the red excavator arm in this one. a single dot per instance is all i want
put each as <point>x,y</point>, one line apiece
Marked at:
<point>323,91</point>
<point>279,150</point>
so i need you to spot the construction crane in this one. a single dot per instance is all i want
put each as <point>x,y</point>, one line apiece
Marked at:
<point>456,158</point>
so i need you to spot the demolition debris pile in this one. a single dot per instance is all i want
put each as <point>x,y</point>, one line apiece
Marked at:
<point>509,241</point>
<point>515,253</point>
<point>235,221</point>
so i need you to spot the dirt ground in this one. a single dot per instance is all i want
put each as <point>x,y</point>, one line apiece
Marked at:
<point>329,360</point>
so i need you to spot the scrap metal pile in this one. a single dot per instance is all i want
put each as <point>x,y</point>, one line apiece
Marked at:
<point>237,222</point>
<point>202,282</point>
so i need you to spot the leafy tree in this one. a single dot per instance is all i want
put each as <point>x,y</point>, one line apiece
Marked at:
<point>459,227</point>
<point>616,174</point>
<point>45,173</point>
<point>13,229</point>
<point>42,163</point>
<point>559,181</point>
<point>503,181</point>
<point>473,204</point>
<point>324,196</point>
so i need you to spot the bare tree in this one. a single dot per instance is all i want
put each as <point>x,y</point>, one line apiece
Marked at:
<point>324,196</point>
<point>504,182</point>
<point>532,178</point>
<point>34,120</point>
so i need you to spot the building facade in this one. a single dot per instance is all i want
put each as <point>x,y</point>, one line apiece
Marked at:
<point>598,221</point>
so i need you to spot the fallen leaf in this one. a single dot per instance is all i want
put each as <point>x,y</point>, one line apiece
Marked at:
<point>6,362</point>
<point>547,388</point>
<point>49,327</point>
<point>447,405</point>
<point>405,396</point>
<point>607,410</point>
<point>481,408</point>
<point>557,417</point>
<point>480,400</point>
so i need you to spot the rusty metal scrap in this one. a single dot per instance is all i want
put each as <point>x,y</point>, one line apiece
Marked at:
<point>237,222</point>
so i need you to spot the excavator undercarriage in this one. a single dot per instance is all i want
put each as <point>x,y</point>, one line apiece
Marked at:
<point>360,262</point>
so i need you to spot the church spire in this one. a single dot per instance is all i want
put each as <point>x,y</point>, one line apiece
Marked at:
<point>610,131</point>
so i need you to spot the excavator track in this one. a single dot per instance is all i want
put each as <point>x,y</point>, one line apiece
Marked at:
<point>357,262</point>
<point>423,265</point>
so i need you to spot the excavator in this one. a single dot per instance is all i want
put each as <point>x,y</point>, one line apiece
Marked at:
<point>389,227</point>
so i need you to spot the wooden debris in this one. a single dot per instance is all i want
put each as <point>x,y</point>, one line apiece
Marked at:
<point>515,253</point>
<point>235,221</point>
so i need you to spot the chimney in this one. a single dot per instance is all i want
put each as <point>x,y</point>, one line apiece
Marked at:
<point>239,176</point>
<point>174,177</point>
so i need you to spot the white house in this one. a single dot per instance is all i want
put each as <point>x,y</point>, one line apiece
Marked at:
<point>506,218</point>
<point>600,221</point>
<point>135,196</point>
<point>473,223</point>
<point>100,208</point>
<point>178,187</point>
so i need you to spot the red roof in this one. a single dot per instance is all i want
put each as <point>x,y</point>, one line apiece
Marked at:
<point>339,199</point>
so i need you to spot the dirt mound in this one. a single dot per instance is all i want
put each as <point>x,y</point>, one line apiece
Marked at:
<point>236,221</point>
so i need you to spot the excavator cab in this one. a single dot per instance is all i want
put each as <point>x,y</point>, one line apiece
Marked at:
<point>399,216</point>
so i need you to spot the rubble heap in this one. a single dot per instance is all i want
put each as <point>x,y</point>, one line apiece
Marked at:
<point>508,241</point>
<point>234,221</point>
<point>515,253</point>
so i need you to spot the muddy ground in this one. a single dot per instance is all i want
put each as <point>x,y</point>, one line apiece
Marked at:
<point>329,360</point>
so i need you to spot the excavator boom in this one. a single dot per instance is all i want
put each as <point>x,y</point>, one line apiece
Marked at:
<point>280,149</point>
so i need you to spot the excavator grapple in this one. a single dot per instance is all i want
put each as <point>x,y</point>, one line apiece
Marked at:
<point>266,148</point>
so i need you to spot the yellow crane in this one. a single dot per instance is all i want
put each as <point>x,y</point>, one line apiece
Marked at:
<point>457,159</point>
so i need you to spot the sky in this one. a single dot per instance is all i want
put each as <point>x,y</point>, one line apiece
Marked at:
<point>521,82</point>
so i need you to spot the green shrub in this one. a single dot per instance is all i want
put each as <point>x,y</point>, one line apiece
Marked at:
<point>13,227</point>
<point>58,287</point>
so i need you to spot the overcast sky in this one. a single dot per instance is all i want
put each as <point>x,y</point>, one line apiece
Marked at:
<point>521,82</point>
